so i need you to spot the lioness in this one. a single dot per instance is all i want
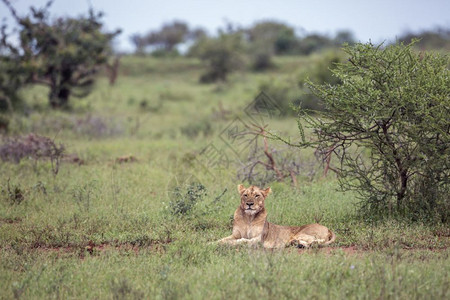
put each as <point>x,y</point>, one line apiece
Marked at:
<point>250,225</point>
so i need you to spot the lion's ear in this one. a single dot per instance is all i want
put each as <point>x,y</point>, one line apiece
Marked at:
<point>266,192</point>
<point>241,188</point>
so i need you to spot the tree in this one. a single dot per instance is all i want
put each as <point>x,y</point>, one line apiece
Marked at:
<point>63,54</point>
<point>168,36</point>
<point>166,39</point>
<point>388,123</point>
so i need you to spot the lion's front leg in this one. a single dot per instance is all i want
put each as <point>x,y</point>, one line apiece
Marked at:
<point>227,240</point>
<point>252,241</point>
<point>231,240</point>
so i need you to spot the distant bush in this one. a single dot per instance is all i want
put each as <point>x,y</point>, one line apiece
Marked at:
<point>272,37</point>
<point>32,146</point>
<point>284,92</point>
<point>196,128</point>
<point>319,72</point>
<point>163,42</point>
<point>261,60</point>
<point>429,39</point>
<point>222,55</point>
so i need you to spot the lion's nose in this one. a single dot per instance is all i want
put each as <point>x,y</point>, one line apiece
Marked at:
<point>250,204</point>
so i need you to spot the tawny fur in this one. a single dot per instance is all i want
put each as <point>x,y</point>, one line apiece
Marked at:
<point>250,225</point>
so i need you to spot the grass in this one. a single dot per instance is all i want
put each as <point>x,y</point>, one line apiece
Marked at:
<point>103,229</point>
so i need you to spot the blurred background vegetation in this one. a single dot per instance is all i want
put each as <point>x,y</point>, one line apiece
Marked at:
<point>66,54</point>
<point>102,160</point>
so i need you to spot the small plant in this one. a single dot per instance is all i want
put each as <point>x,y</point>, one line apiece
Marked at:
<point>13,193</point>
<point>82,195</point>
<point>184,198</point>
<point>121,289</point>
<point>197,128</point>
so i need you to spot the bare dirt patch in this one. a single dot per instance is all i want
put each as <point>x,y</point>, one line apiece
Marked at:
<point>91,248</point>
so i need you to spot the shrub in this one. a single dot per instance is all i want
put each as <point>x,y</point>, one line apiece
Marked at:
<point>32,146</point>
<point>319,72</point>
<point>284,92</point>
<point>261,60</point>
<point>196,128</point>
<point>388,123</point>
<point>185,197</point>
<point>222,56</point>
<point>13,194</point>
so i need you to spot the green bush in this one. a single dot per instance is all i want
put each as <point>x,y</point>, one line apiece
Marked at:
<point>388,123</point>
<point>261,60</point>
<point>185,197</point>
<point>319,72</point>
<point>284,92</point>
<point>222,55</point>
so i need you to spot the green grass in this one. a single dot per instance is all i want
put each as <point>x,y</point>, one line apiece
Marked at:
<point>103,229</point>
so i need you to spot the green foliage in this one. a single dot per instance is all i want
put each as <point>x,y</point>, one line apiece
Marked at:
<point>274,37</point>
<point>290,93</point>
<point>164,41</point>
<point>313,43</point>
<point>53,245</point>
<point>12,193</point>
<point>62,54</point>
<point>319,72</point>
<point>261,59</point>
<point>198,127</point>
<point>12,78</point>
<point>169,36</point>
<point>387,121</point>
<point>184,198</point>
<point>222,55</point>
<point>438,39</point>
<point>284,91</point>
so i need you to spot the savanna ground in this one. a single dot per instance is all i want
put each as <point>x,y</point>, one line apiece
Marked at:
<point>105,227</point>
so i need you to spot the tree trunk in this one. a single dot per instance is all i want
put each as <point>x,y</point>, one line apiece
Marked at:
<point>403,186</point>
<point>59,96</point>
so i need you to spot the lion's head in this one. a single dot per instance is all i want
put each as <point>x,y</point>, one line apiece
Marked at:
<point>252,198</point>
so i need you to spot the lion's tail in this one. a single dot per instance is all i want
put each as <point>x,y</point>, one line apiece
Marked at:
<point>332,238</point>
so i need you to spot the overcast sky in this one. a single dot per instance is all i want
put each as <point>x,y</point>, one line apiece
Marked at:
<point>369,20</point>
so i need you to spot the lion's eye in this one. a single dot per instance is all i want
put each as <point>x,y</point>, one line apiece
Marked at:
<point>245,195</point>
<point>257,196</point>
